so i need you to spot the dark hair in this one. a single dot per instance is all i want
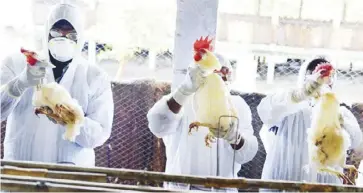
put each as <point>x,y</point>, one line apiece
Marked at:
<point>312,65</point>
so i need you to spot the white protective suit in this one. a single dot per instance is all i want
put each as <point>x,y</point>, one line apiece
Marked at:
<point>188,154</point>
<point>31,138</point>
<point>360,175</point>
<point>284,135</point>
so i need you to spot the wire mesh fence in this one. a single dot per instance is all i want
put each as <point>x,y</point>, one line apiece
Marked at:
<point>133,146</point>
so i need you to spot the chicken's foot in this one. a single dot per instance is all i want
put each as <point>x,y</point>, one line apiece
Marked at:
<point>43,110</point>
<point>196,125</point>
<point>352,170</point>
<point>66,113</point>
<point>337,173</point>
<point>209,138</point>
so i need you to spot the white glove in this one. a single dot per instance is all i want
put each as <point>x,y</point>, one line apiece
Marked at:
<point>193,80</point>
<point>232,135</point>
<point>311,87</point>
<point>31,76</point>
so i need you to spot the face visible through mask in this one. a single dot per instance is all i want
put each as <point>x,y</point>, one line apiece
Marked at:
<point>62,41</point>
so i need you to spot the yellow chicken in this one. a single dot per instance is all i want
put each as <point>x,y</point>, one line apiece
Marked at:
<point>212,101</point>
<point>54,100</point>
<point>328,141</point>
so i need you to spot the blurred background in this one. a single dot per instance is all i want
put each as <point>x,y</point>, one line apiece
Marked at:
<point>267,40</point>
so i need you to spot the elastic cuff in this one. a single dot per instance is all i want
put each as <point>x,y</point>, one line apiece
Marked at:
<point>231,138</point>
<point>246,144</point>
<point>179,97</point>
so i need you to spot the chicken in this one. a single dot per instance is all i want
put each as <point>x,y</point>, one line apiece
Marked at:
<point>54,100</point>
<point>328,141</point>
<point>212,101</point>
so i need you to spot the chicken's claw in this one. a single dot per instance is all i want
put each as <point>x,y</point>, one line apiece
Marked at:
<point>352,172</point>
<point>345,178</point>
<point>209,138</point>
<point>193,125</point>
<point>37,112</point>
<point>337,173</point>
<point>43,110</point>
<point>67,114</point>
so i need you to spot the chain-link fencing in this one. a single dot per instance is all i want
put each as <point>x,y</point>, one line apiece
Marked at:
<point>133,146</point>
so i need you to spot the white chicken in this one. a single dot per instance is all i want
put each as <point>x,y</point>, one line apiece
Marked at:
<point>54,101</point>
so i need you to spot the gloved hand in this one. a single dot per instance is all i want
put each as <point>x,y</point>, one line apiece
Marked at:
<point>232,135</point>
<point>31,76</point>
<point>193,80</point>
<point>310,88</point>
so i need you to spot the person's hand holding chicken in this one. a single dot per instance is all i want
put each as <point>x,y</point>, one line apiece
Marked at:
<point>54,101</point>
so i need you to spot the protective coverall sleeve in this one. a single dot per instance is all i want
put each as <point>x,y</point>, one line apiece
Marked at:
<point>8,102</point>
<point>249,149</point>
<point>99,115</point>
<point>275,107</point>
<point>162,121</point>
<point>266,138</point>
<point>351,125</point>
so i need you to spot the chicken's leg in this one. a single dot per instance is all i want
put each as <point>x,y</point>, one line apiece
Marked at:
<point>352,170</point>
<point>209,138</point>
<point>67,114</point>
<point>48,112</point>
<point>43,110</point>
<point>337,173</point>
<point>196,125</point>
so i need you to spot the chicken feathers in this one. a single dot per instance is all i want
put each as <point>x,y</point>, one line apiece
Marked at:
<point>55,101</point>
<point>328,141</point>
<point>212,101</point>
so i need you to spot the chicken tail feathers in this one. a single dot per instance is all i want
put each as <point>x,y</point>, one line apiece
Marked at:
<point>72,131</point>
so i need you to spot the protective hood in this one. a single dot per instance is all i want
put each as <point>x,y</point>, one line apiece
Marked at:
<point>73,15</point>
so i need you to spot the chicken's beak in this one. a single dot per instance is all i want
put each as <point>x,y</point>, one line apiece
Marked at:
<point>36,112</point>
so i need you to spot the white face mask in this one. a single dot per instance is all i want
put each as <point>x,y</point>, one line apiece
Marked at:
<point>62,49</point>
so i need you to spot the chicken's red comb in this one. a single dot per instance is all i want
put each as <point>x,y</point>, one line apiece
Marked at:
<point>326,67</point>
<point>30,56</point>
<point>203,44</point>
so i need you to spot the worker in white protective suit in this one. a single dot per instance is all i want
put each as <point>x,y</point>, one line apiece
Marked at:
<point>33,138</point>
<point>287,116</point>
<point>169,119</point>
